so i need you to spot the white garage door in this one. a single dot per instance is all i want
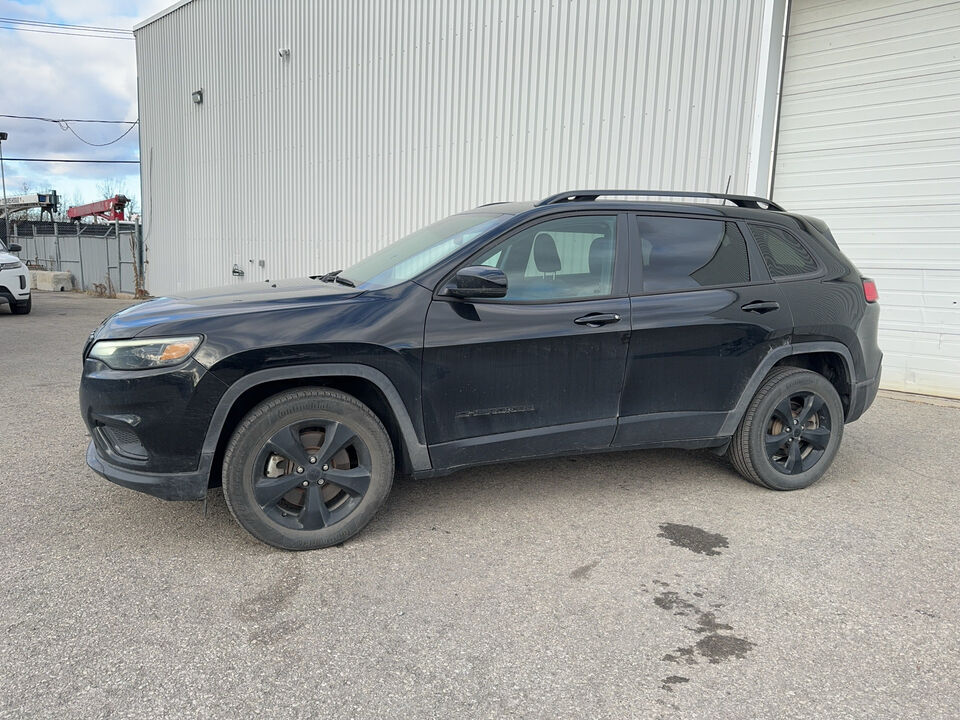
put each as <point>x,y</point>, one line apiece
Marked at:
<point>870,142</point>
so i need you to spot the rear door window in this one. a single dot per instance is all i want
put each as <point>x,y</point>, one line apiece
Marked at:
<point>783,253</point>
<point>687,254</point>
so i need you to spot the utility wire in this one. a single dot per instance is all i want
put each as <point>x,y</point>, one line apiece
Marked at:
<point>45,23</point>
<point>69,160</point>
<point>69,120</point>
<point>64,125</point>
<point>69,34</point>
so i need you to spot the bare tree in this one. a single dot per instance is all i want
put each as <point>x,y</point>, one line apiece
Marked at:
<point>66,203</point>
<point>109,187</point>
<point>29,214</point>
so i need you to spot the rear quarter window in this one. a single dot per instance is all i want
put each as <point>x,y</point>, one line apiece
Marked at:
<point>783,253</point>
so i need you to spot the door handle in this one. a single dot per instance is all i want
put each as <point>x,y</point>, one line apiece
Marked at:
<point>761,306</point>
<point>598,319</point>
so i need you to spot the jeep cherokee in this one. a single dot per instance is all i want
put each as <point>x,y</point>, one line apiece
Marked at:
<point>586,322</point>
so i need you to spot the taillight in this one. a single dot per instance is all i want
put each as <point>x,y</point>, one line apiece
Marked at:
<point>870,293</point>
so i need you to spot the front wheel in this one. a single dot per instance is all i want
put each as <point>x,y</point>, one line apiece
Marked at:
<point>307,469</point>
<point>22,308</point>
<point>790,432</point>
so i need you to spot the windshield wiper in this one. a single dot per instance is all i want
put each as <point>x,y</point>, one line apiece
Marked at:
<point>334,277</point>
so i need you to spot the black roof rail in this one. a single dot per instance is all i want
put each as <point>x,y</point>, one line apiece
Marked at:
<point>744,201</point>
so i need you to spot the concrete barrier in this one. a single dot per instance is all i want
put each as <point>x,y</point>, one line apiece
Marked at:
<point>51,280</point>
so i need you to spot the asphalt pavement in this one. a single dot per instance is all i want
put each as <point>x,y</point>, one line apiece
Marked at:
<point>628,585</point>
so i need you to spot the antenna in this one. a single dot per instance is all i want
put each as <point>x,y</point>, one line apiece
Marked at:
<point>729,178</point>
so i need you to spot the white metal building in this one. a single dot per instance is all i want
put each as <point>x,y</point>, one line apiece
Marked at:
<point>870,142</point>
<point>327,129</point>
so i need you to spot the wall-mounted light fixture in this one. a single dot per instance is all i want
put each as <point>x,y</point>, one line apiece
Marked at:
<point>197,96</point>
<point>284,53</point>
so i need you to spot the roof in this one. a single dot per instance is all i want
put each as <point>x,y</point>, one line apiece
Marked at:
<point>163,13</point>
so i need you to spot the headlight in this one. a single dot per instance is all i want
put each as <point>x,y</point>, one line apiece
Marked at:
<point>145,353</point>
<point>10,266</point>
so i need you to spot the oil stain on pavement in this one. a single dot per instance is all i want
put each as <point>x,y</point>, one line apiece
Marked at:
<point>261,612</point>
<point>716,644</point>
<point>693,538</point>
<point>584,570</point>
<point>673,680</point>
<point>715,641</point>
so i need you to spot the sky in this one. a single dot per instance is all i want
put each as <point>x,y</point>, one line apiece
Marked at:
<point>58,76</point>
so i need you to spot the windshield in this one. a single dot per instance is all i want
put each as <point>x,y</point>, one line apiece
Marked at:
<point>420,250</point>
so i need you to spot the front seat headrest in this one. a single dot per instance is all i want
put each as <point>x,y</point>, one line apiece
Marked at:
<point>545,253</point>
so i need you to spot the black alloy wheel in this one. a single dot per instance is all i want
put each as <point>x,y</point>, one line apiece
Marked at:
<point>790,432</point>
<point>798,432</point>
<point>307,468</point>
<point>312,474</point>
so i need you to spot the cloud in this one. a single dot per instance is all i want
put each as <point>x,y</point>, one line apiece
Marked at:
<point>59,76</point>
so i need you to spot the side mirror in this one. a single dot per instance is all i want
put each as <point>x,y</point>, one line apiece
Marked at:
<point>478,281</point>
<point>13,247</point>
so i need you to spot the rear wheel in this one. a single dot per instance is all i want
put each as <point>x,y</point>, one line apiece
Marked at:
<point>790,432</point>
<point>307,468</point>
<point>22,308</point>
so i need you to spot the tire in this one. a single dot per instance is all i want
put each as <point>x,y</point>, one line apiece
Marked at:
<point>783,453</point>
<point>307,469</point>
<point>22,308</point>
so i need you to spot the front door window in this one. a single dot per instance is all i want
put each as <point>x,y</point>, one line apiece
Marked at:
<point>562,259</point>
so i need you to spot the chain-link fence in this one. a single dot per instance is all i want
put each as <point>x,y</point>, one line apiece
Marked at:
<point>105,258</point>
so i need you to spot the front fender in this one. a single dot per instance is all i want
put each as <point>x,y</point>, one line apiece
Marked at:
<point>415,446</point>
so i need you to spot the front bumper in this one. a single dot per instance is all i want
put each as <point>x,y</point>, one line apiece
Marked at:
<point>167,486</point>
<point>14,287</point>
<point>150,422</point>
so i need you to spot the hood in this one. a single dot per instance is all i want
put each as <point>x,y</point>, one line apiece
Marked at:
<point>220,302</point>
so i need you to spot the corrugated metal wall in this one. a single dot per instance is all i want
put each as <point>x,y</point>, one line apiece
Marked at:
<point>389,115</point>
<point>870,142</point>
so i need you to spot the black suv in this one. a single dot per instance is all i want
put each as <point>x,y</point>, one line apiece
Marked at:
<point>585,322</point>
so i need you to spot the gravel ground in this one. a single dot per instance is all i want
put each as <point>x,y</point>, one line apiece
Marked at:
<point>638,584</point>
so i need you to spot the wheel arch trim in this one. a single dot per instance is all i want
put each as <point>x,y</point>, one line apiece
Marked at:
<point>417,450</point>
<point>777,354</point>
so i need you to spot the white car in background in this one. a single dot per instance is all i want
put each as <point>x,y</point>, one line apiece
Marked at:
<point>14,281</point>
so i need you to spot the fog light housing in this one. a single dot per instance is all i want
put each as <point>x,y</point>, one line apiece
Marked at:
<point>123,441</point>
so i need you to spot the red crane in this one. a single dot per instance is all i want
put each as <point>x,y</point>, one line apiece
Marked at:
<point>109,209</point>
